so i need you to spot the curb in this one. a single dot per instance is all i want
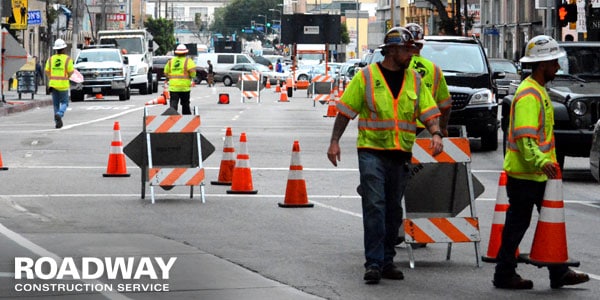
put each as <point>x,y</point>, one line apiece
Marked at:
<point>19,106</point>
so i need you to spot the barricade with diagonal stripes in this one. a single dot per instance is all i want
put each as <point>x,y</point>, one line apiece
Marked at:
<point>321,88</point>
<point>432,227</point>
<point>167,177</point>
<point>248,80</point>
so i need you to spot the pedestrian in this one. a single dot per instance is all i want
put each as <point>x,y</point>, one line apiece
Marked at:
<point>59,68</point>
<point>210,77</point>
<point>39,72</point>
<point>278,66</point>
<point>180,71</point>
<point>530,160</point>
<point>388,97</point>
<point>434,79</point>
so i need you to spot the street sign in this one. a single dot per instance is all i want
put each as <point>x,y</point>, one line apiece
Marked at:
<point>34,17</point>
<point>18,20</point>
<point>14,57</point>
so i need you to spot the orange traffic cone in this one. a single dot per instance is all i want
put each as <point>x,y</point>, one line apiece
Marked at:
<point>227,161</point>
<point>159,100</point>
<point>278,87</point>
<point>295,191</point>
<point>331,109</point>
<point>268,85</point>
<point>2,167</point>
<point>283,97</point>
<point>241,181</point>
<point>498,221</point>
<point>116,159</point>
<point>549,245</point>
<point>341,87</point>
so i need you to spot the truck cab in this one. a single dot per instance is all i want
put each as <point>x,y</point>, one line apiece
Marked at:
<point>138,47</point>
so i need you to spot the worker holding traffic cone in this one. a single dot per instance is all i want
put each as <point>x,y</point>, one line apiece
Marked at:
<point>498,221</point>
<point>227,161</point>
<point>241,181</point>
<point>116,159</point>
<point>530,164</point>
<point>295,191</point>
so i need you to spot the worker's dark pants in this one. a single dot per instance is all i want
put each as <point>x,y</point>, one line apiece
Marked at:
<point>184,97</point>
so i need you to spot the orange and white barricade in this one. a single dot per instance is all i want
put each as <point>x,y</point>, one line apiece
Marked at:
<point>168,177</point>
<point>247,86</point>
<point>322,85</point>
<point>427,228</point>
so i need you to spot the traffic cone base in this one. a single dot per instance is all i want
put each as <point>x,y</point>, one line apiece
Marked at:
<point>331,110</point>
<point>2,167</point>
<point>116,159</point>
<point>526,258</point>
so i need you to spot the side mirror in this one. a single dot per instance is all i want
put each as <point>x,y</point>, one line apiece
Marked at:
<point>498,75</point>
<point>125,60</point>
<point>150,45</point>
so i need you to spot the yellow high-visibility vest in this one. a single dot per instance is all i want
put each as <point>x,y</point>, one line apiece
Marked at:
<point>530,132</point>
<point>435,81</point>
<point>59,67</point>
<point>385,122</point>
<point>180,71</point>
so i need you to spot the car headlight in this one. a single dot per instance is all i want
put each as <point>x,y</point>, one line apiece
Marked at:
<point>142,70</point>
<point>579,108</point>
<point>484,96</point>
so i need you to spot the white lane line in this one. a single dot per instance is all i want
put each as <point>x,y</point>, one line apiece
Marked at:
<point>69,126</point>
<point>38,250</point>
<point>338,209</point>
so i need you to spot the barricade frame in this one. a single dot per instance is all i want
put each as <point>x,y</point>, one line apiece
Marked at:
<point>151,174</point>
<point>319,80</point>
<point>244,78</point>
<point>411,218</point>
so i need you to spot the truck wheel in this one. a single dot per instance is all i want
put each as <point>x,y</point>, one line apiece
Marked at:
<point>76,96</point>
<point>490,141</point>
<point>124,94</point>
<point>144,89</point>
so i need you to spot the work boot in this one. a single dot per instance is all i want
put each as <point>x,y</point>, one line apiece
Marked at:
<point>58,121</point>
<point>372,275</point>
<point>569,278</point>
<point>514,282</point>
<point>392,272</point>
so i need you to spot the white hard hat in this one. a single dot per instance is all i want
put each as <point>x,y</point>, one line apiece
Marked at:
<point>181,49</point>
<point>59,44</point>
<point>417,32</point>
<point>542,48</point>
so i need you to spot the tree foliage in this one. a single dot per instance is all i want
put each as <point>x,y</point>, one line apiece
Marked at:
<point>163,32</point>
<point>239,13</point>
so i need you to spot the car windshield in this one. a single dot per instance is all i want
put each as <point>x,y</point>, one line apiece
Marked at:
<point>98,56</point>
<point>451,57</point>
<point>503,66</point>
<point>132,45</point>
<point>580,61</point>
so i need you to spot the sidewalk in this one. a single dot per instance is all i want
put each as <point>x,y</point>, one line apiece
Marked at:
<point>13,104</point>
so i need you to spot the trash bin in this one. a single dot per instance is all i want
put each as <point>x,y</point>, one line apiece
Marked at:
<point>26,83</point>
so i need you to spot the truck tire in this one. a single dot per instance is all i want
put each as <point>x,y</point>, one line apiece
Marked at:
<point>144,89</point>
<point>76,96</point>
<point>124,95</point>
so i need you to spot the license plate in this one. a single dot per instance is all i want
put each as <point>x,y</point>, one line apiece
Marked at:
<point>96,90</point>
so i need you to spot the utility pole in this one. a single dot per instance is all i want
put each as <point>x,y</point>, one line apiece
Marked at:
<point>75,28</point>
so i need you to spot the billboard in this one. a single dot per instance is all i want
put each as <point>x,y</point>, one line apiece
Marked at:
<point>310,29</point>
<point>18,19</point>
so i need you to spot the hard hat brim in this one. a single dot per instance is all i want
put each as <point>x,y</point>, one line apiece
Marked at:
<point>554,56</point>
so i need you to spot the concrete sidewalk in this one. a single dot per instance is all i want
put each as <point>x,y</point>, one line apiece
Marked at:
<point>13,104</point>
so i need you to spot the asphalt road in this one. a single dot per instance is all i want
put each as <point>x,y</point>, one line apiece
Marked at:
<point>55,197</point>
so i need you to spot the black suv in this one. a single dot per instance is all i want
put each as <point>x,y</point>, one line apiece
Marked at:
<point>470,82</point>
<point>575,95</point>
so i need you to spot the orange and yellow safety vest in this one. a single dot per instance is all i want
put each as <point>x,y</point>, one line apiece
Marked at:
<point>58,68</point>
<point>180,71</point>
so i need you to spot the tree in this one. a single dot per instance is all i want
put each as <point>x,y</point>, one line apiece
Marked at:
<point>446,24</point>
<point>163,31</point>
<point>239,13</point>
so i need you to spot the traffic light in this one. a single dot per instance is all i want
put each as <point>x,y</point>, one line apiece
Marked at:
<point>567,13</point>
<point>268,24</point>
<point>243,30</point>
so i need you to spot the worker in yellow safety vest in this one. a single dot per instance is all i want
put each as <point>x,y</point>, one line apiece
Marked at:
<point>59,68</point>
<point>180,71</point>
<point>530,160</point>
<point>387,97</point>
<point>433,77</point>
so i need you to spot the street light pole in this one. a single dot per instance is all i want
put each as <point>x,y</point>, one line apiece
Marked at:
<point>265,23</point>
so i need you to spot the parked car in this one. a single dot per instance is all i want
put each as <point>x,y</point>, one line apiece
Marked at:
<point>575,95</point>
<point>264,61</point>
<point>105,71</point>
<point>511,75</point>
<point>158,65</point>
<point>595,152</point>
<point>232,75</point>
<point>307,72</point>
<point>470,82</point>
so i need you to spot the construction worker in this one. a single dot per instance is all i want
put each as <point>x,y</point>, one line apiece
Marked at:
<point>433,77</point>
<point>388,97</point>
<point>530,160</point>
<point>180,71</point>
<point>59,68</point>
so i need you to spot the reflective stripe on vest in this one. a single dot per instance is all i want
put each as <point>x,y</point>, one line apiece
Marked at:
<point>539,134</point>
<point>372,123</point>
